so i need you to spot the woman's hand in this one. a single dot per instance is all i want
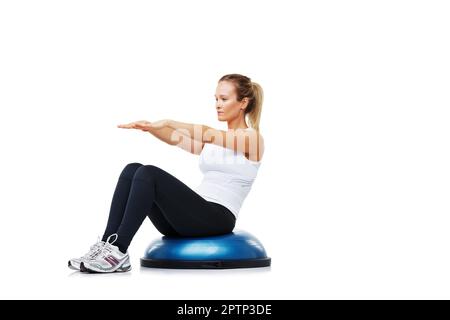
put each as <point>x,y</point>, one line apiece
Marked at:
<point>145,125</point>
<point>160,124</point>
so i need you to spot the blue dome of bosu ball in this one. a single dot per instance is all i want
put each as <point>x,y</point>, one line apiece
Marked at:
<point>238,249</point>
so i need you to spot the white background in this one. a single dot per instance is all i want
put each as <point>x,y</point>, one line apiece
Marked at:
<point>352,198</point>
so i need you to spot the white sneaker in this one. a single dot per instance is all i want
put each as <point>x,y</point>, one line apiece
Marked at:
<point>92,253</point>
<point>110,259</point>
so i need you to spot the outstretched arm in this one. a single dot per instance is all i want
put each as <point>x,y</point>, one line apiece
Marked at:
<point>192,137</point>
<point>166,134</point>
<point>250,142</point>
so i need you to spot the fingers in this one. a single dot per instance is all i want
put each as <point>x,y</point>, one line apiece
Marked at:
<point>126,126</point>
<point>134,125</point>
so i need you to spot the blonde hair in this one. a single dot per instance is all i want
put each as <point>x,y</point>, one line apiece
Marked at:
<point>245,88</point>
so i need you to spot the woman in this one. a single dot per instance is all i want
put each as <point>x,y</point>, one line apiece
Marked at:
<point>229,160</point>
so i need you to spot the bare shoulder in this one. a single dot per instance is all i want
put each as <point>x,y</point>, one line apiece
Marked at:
<point>256,146</point>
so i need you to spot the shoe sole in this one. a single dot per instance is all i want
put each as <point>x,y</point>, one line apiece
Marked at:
<point>72,267</point>
<point>121,269</point>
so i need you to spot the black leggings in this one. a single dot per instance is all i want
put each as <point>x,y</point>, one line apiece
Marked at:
<point>174,208</point>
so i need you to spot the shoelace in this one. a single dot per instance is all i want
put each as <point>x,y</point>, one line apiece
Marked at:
<point>94,250</point>
<point>107,247</point>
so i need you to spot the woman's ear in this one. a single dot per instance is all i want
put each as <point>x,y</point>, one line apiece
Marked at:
<point>244,103</point>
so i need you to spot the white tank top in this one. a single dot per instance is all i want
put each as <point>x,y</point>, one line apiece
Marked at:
<point>228,176</point>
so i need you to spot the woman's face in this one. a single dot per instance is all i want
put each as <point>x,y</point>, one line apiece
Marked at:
<point>226,104</point>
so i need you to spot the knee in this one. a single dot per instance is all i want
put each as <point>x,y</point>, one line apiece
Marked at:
<point>147,172</point>
<point>129,170</point>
